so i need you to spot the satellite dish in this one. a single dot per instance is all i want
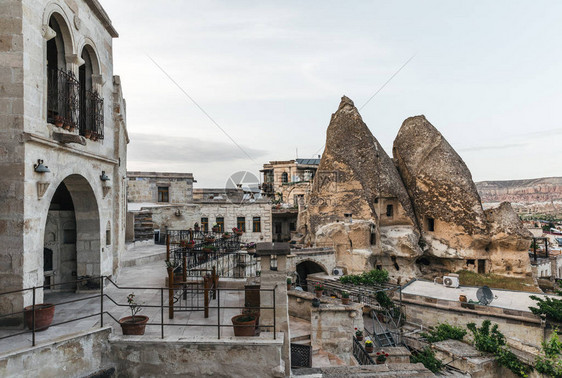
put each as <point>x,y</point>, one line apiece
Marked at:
<point>485,295</point>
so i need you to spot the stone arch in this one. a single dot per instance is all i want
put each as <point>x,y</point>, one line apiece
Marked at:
<point>89,47</point>
<point>79,256</point>
<point>55,10</point>
<point>306,267</point>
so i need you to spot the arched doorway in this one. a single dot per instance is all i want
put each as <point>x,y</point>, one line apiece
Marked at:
<point>72,236</point>
<point>305,268</point>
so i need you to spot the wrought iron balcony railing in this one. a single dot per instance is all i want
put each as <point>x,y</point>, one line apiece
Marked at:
<point>62,99</point>
<point>91,115</point>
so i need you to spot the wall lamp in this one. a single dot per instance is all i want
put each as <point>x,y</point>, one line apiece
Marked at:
<point>40,168</point>
<point>104,177</point>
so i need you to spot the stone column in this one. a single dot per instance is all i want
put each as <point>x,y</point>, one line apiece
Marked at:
<point>276,279</point>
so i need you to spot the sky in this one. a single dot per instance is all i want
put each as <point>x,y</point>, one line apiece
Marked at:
<point>215,87</point>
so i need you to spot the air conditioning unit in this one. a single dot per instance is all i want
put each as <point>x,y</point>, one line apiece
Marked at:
<point>337,272</point>
<point>451,281</point>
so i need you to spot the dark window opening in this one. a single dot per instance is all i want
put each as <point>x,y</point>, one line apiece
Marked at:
<point>163,194</point>
<point>423,261</point>
<point>256,224</point>
<point>373,238</point>
<point>205,224</point>
<point>47,259</point>
<point>470,262</point>
<point>430,224</point>
<point>292,226</point>
<point>220,223</point>
<point>278,227</point>
<point>389,210</point>
<point>379,267</point>
<point>284,178</point>
<point>107,237</point>
<point>393,258</point>
<point>241,223</point>
<point>377,200</point>
<point>481,266</point>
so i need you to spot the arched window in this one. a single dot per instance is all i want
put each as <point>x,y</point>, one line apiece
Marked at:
<point>91,104</point>
<point>62,86</point>
<point>284,178</point>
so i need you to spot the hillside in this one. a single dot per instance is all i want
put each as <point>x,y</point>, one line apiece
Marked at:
<point>547,189</point>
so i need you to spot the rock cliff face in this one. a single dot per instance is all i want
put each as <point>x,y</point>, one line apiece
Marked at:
<point>445,199</point>
<point>372,209</point>
<point>522,191</point>
<point>356,177</point>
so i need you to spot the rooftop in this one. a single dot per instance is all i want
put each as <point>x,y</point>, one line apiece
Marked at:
<point>507,299</point>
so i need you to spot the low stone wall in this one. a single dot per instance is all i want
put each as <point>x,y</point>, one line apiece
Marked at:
<point>79,355</point>
<point>523,330</point>
<point>228,357</point>
<point>300,303</point>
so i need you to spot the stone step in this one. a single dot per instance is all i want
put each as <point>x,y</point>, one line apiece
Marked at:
<point>305,337</point>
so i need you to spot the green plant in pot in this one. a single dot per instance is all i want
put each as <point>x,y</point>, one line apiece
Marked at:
<point>381,357</point>
<point>318,289</point>
<point>369,346</point>
<point>134,324</point>
<point>289,283</point>
<point>244,325</point>
<point>358,334</point>
<point>345,298</point>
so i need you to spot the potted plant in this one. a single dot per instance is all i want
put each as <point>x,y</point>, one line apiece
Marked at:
<point>44,313</point>
<point>59,121</point>
<point>196,227</point>
<point>209,248</point>
<point>289,282</point>
<point>189,244</point>
<point>226,235</point>
<point>88,134</point>
<point>134,324</point>
<point>358,334</point>
<point>381,357</point>
<point>237,231</point>
<point>318,289</point>
<point>209,239</point>
<point>216,228</point>
<point>251,247</point>
<point>369,346</point>
<point>244,325</point>
<point>345,298</point>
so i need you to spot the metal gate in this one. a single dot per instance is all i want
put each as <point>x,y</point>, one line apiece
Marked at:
<point>301,355</point>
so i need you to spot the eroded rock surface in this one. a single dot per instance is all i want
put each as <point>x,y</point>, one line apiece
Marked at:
<point>442,191</point>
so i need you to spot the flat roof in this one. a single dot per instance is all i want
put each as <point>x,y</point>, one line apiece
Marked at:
<point>135,174</point>
<point>513,300</point>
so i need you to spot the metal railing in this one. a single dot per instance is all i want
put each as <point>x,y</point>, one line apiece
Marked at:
<point>91,115</point>
<point>361,354</point>
<point>62,98</point>
<point>163,304</point>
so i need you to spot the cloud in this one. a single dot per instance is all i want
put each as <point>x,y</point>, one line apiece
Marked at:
<point>164,149</point>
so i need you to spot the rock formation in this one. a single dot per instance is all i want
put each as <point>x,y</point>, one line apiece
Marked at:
<point>357,180</point>
<point>377,212</point>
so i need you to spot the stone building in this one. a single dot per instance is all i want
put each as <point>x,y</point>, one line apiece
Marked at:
<point>63,146</point>
<point>287,183</point>
<point>418,213</point>
<point>157,202</point>
<point>228,208</point>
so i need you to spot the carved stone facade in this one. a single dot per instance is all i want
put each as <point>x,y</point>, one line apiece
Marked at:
<point>417,213</point>
<point>60,107</point>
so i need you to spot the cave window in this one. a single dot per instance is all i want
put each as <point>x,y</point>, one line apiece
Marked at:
<point>430,224</point>
<point>470,262</point>
<point>389,211</point>
<point>396,266</point>
<point>379,267</point>
<point>373,238</point>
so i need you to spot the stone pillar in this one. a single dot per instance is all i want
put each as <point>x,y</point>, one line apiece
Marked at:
<point>277,280</point>
<point>333,326</point>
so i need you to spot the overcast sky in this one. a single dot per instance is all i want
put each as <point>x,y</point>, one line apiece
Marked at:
<point>488,75</point>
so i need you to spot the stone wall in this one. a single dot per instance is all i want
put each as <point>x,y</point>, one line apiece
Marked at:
<point>231,211</point>
<point>78,356</point>
<point>325,257</point>
<point>143,186</point>
<point>523,330</point>
<point>227,357</point>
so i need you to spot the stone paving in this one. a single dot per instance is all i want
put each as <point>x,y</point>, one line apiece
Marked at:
<point>150,275</point>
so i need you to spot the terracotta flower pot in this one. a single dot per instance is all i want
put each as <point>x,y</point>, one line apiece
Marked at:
<point>369,349</point>
<point>318,293</point>
<point>244,328</point>
<point>133,328</point>
<point>44,314</point>
<point>345,301</point>
<point>463,298</point>
<point>288,286</point>
<point>359,338</point>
